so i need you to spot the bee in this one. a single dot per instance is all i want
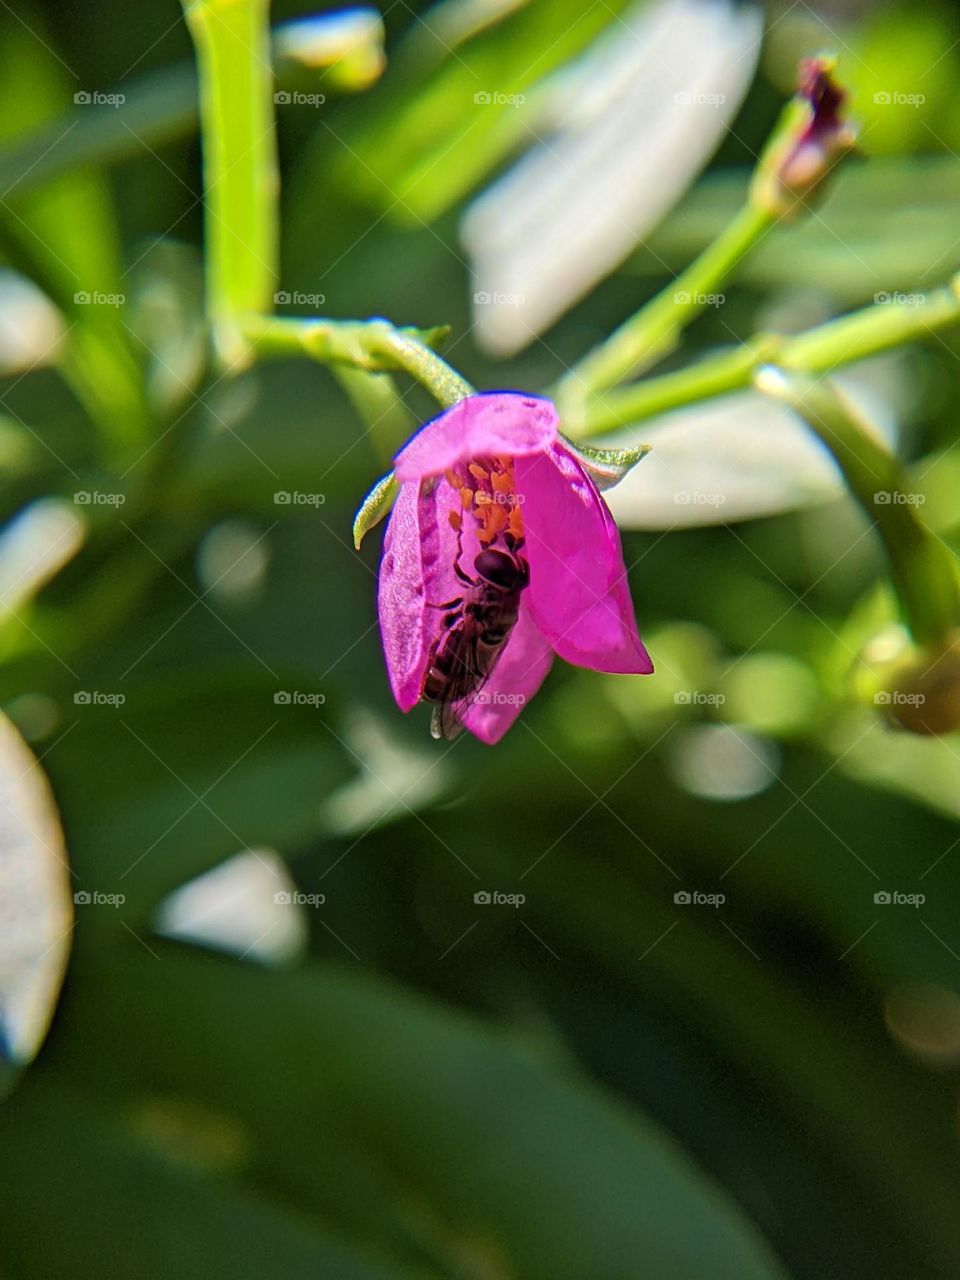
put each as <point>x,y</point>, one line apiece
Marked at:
<point>477,626</point>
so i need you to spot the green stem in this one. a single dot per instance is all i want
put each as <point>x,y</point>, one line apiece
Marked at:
<point>864,333</point>
<point>411,354</point>
<point>656,328</point>
<point>923,570</point>
<point>232,39</point>
<point>374,345</point>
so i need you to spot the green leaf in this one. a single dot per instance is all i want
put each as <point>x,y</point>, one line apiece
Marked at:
<point>181,775</point>
<point>88,1195</point>
<point>419,152</point>
<point>375,506</point>
<point>65,237</point>
<point>437,1097</point>
<point>607,467</point>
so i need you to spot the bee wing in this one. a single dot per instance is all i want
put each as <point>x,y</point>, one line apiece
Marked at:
<point>444,722</point>
<point>446,716</point>
<point>468,675</point>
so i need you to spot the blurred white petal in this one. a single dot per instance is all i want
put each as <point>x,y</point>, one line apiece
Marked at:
<point>31,327</point>
<point>246,907</point>
<point>635,120</point>
<point>34,547</point>
<point>35,912</point>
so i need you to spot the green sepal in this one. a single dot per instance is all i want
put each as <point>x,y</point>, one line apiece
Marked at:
<point>606,467</point>
<point>374,507</point>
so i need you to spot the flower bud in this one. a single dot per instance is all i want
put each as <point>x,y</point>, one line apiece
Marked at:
<point>919,689</point>
<point>810,139</point>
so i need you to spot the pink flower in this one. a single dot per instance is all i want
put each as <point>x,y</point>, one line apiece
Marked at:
<point>500,553</point>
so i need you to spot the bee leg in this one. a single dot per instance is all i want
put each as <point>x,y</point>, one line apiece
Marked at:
<point>461,574</point>
<point>448,604</point>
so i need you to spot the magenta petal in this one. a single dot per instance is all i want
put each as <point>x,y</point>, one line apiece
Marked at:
<point>518,675</point>
<point>491,424</point>
<point>416,571</point>
<point>578,593</point>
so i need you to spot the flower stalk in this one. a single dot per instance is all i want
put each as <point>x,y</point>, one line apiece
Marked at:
<point>232,41</point>
<point>806,144</point>
<point>819,350</point>
<point>922,568</point>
